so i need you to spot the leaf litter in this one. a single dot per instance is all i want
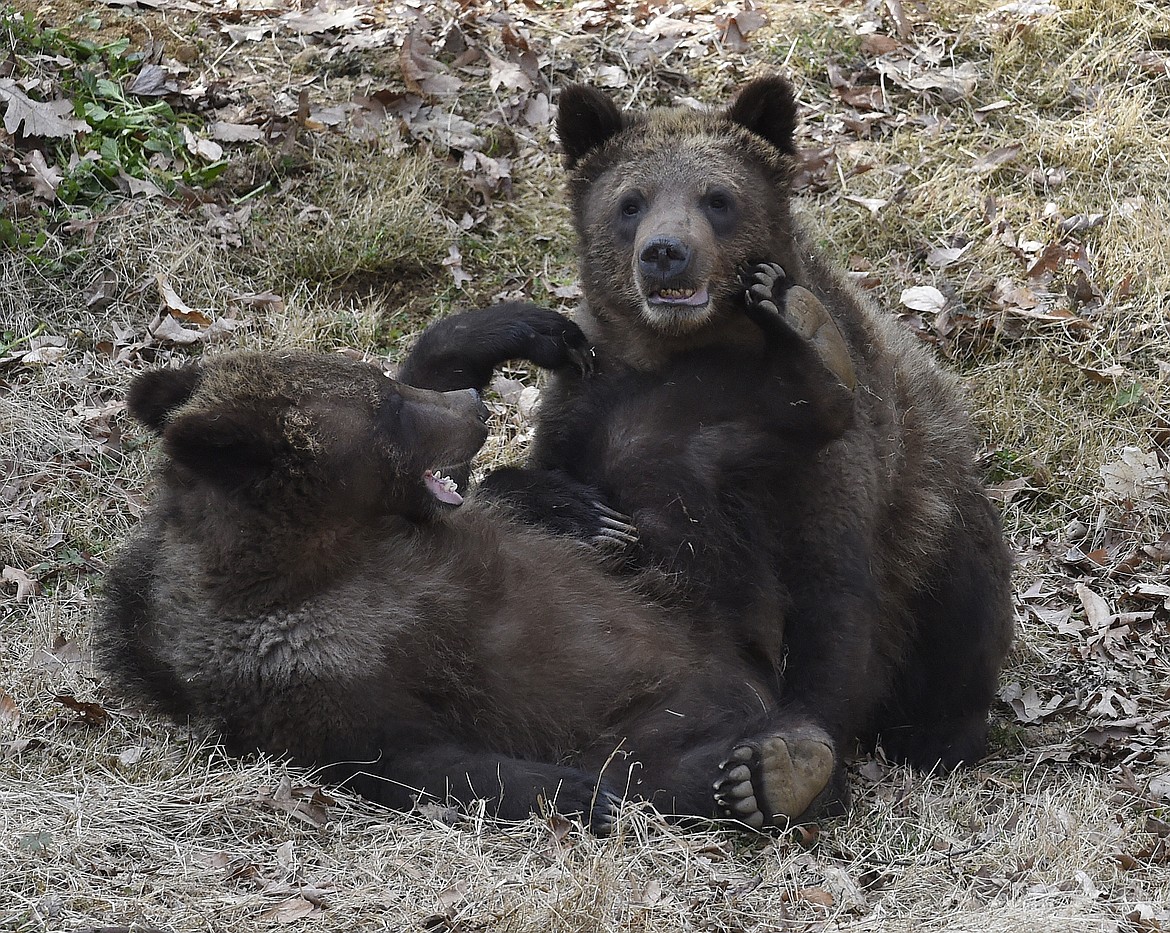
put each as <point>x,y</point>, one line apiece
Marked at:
<point>965,197</point>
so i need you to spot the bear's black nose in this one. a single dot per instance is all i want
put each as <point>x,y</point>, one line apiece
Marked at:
<point>664,258</point>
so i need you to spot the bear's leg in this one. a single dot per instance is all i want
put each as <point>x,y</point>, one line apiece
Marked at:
<point>836,671</point>
<point>670,752</point>
<point>789,313</point>
<point>513,788</point>
<point>461,351</point>
<point>780,777</point>
<point>937,716</point>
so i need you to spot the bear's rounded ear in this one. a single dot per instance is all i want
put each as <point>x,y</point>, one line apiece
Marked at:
<point>154,395</point>
<point>227,446</point>
<point>586,118</point>
<point>767,107</point>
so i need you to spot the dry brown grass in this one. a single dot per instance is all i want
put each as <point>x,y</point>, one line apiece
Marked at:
<point>131,819</point>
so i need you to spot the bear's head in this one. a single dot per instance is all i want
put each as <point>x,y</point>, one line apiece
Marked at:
<point>301,439</point>
<point>670,204</point>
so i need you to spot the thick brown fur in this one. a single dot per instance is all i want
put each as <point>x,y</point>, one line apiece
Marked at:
<point>298,586</point>
<point>883,539</point>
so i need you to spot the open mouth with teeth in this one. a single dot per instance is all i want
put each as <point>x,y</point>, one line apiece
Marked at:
<point>688,297</point>
<point>442,487</point>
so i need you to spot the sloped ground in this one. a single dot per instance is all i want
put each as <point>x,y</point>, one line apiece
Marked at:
<point>995,174</point>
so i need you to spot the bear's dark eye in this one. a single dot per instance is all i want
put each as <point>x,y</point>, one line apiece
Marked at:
<point>631,207</point>
<point>719,201</point>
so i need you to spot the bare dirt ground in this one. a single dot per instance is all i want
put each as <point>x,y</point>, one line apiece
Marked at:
<point>267,173</point>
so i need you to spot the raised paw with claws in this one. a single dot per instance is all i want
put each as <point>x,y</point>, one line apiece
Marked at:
<point>781,309</point>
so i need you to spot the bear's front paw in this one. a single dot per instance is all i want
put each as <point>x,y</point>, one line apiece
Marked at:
<point>773,780</point>
<point>552,341</point>
<point>594,804</point>
<point>783,309</point>
<point>615,532</point>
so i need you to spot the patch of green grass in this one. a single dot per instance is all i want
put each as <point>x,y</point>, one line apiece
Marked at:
<point>127,136</point>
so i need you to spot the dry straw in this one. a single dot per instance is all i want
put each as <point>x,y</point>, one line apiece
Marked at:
<point>112,817</point>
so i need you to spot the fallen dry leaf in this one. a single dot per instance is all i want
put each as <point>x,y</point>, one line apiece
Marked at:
<point>92,714</point>
<point>924,298</point>
<point>175,306</point>
<point>37,118</point>
<point>952,84</point>
<point>996,158</point>
<point>152,81</point>
<point>291,910</point>
<point>873,205</point>
<point>1136,476</point>
<point>171,331</point>
<point>45,178</point>
<point>26,586</point>
<point>941,257</point>
<point>818,897</point>
<point>235,132</point>
<point>206,149</point>
<point>422,73</point>
<point>9,711</point>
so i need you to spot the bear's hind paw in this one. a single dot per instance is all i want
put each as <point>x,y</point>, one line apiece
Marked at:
<point>775,779</point>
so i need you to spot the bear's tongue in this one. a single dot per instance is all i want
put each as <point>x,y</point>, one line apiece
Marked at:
<point>442,488</point>
<point>680,296</point>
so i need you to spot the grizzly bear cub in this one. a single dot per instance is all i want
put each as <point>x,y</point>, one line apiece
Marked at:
<point>308,583</point>
<point>864,566</point>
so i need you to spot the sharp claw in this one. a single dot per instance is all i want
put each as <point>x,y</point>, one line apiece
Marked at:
<point>611,513</point>
<point>616,536</point>
<point>618,525</point>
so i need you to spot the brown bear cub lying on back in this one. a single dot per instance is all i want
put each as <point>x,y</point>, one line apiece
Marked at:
<point>870,575</point>
<point>307,583</point>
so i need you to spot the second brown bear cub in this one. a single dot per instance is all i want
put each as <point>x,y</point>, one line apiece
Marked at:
<point>870,574</point>
<point>306,583</point>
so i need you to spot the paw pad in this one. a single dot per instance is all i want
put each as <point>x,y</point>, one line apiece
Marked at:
<point>774,779</point>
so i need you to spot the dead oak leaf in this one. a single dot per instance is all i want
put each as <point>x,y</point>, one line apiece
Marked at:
<point>38,118</point>
<point>996,158</point>
<point>236,132</point>
<point>942,256</point>
<point>322,19</point>
<point>422,73</point>
<point>924,298</point>
<point>92,714</point>
<point>308,804</point>
<point>152,81</point>
<point>873,205</point>
<point>169,330</point>
<point>1097,611</point>
<point>291,910</point>
<point>951,84</point>
<point>9,711</point>
<point>738,26</point>
<point>175,306</point>
<point>26,586</point>
<point>509,75</point>
<point>45,178</point>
